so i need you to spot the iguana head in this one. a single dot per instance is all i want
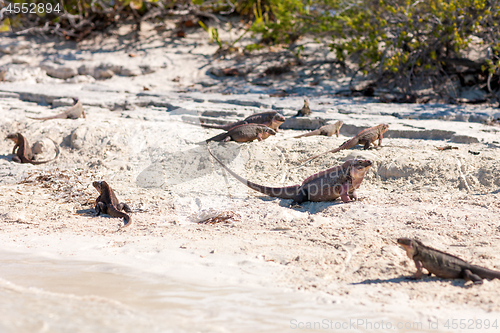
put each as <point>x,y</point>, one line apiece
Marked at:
<point>409,245</point>
<point>383,128</point>
<point>357,171</point>
<point>14,137</point>
<point>278,119</point>
<point>270,131</point>
<point>267,130</point>
<point>98,185</point>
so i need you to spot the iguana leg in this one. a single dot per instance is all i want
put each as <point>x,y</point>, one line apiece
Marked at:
<point>380,140</point>
<point>14,149</point>
<point>344,192</point>
<point>125,207</point>
<point>469,276</point>
<point>100,208</point>
<point>367,145</point>
<point>299,198</point>
<point>419,266</point>
<point>259,137</point>
<point>16,159</point>
<point>353,195</point>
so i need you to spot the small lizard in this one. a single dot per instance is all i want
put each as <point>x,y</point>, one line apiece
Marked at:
<point>244,133</point>
<point>74,112</point>
<point>270,119</point>
<point>107,203</point>
<point>365,137</point>
<point>442,264</point>
<point>24,153</point>
<point>327,130</point>
<point>305,111</point>
<point>339,181</point>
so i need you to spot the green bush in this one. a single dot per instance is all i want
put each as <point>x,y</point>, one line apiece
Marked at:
<point>396,38</point>
<point>399,38</point>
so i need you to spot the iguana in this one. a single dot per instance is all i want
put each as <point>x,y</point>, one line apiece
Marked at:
<point>305,111</point>
<point>339,181</point>
<point>442,264</point>
<point>107,203</point>
<point>244,133</point>
<point>327,130</point>
<point>365,137</point>
<point>74,112</point>
<point>271,119</point>
<point>24,153</point>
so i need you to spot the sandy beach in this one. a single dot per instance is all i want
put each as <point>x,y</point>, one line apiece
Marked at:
<point>264,267</point>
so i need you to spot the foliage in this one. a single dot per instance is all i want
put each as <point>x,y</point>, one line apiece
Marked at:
<point>392,39</point>
<point>408,37</point>
<point>396,38</point>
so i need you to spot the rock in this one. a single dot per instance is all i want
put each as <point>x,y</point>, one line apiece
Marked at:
<point>38,147</point>
<point>62,102</point>
<point>86,69</point>
<point>20,60</point>
<point>59,71</point>
<point>114,68</point>
<point>42,146</point>
<point>103,74</point>
<point>392,170</point>
<point>43,149</point>
<point>464,139</point>
<point>147,69</point>
<point>77,139</point>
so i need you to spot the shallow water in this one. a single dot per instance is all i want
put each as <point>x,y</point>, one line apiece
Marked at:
<point>52,295</point>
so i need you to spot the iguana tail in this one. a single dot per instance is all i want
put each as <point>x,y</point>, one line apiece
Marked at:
<point>287,192</point>
<point>61,115</point>
<point>312,158</point>
<point>112,211</point>
<point>311,133</point>
<point>485,273</point>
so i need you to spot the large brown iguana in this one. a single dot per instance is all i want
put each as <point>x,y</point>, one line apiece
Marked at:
<point>271,119</point>
<point>339,181</point>
<point>244,133</point>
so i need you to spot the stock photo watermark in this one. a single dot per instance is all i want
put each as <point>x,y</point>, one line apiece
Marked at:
<point>382,325</point>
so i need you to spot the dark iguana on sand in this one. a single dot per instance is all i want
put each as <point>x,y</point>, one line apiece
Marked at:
<point>365,137</point>
<point>270,119</point>
<point>74,112</point>
<point>442,264</point>
<point>244,133</point>
<point>327,130</point>
<point>305,111</point>
<point>107,203</point>
<point>24,153</point>
<point>339,181</point>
